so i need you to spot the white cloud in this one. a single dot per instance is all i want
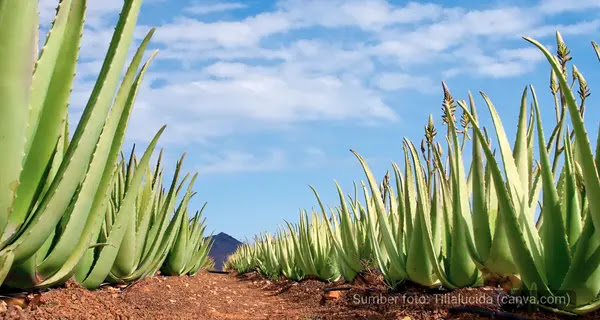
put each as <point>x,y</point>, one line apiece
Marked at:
<point>235,97</point>
<point>300,63</point>
<point>390,81</point>
<point>232,161</point>
<point>578,28</point>
<point>525,54</point>
<point>558,6</point>
<point>220,34</point>
<point>367,15</point>
<point>202,9</point>
<point>500,64</point>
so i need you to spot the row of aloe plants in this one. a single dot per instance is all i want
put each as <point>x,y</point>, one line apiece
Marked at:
<point>526,223</point>
<point>70,206</point>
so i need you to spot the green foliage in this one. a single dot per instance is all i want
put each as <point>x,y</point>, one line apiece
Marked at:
<point>443,225</point>
<point>66,207</point>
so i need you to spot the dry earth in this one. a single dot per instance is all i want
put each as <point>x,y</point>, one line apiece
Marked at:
<point>250,296</point>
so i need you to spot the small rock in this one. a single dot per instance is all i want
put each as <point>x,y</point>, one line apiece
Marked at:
<point>172,300</point>
<point>16,301</point>
<point>3,307</point>
<point>332,295</point>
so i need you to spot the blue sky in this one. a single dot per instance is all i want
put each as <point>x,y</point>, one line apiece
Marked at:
<point>266,97</point>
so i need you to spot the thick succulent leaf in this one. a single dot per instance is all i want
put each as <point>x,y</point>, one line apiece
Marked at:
<point>520,151</point>
<point>108,253</point>
<point>462,271</point>
<point>18,35</point>
<point>572,214</point>
<point>557,254</point>
<point>424,269</point>
<point>582,145</point>
<point>519,196</point>
<point>91,203</point>
<point>481,222</point>
<point>6,261</point>
<point>583,277</point>
<point>84,140</point>
<point>51,88</point>
<point>520,247</point>
<point>387,236</point>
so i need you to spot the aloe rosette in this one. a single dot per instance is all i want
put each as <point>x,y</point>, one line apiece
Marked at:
<point>47,179</point>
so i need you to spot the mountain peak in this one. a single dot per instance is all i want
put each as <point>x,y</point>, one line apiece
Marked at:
<point>223,246</point>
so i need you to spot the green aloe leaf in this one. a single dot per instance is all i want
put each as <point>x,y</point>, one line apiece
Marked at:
<point>582,145</point>
<point>18,32</point>
<point>108,253</point>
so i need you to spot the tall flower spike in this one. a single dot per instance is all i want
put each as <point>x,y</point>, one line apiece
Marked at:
<point>430,131</point>
<point>584,91</point>
<point>449,105</point>
<point>464,121</point>
<point>562,52</point>
<point>553,82</point>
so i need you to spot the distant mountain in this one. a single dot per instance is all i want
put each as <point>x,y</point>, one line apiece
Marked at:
<point>223,246</point>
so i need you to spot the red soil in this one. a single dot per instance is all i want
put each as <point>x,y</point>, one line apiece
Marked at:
<point>250,296</point>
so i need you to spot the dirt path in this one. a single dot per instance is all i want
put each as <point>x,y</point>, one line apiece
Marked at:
<point>223,296</point>
<point>205,296</point>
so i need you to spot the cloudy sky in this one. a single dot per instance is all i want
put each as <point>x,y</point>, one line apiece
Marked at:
<point>266,97</point>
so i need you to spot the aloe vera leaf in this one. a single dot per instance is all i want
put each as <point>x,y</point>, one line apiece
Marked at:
<point>401,234</point>
<point>57,267</point>
<point>108,253</point>
<point>520,248</point>
<point>582,145</point>
<point>6,260</point>
<point>462,271</point>
<point>125,258</point>
<point>347,252</point>
<point>583,277</point>
<point>176,258</point>
<point>384,227</point>
<point>50,91</point>
<point>520,153</point>
<point>572,212</point>
<point>410,196</point>
<point>95,185</point>
<point>431,270</point>
<point>45,65</point>
<point>557,254</point>
<point>18,35</point>
<point>84,140</point>
<point>519,196</point>
<point>157,231</point>
<point>481,222</point>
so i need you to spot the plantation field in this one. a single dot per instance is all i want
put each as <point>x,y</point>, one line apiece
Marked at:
<point>468,224</point>
<point>251,296</point>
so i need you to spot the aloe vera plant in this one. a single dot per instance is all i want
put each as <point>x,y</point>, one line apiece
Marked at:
<point>444,225</point>
<point>142,227</point>
<point>51,179</point>
<point>243,260</point>
<point>314,252</point>
<point>348,233</point>
<point>571,252</point>
<point>190,251</point>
